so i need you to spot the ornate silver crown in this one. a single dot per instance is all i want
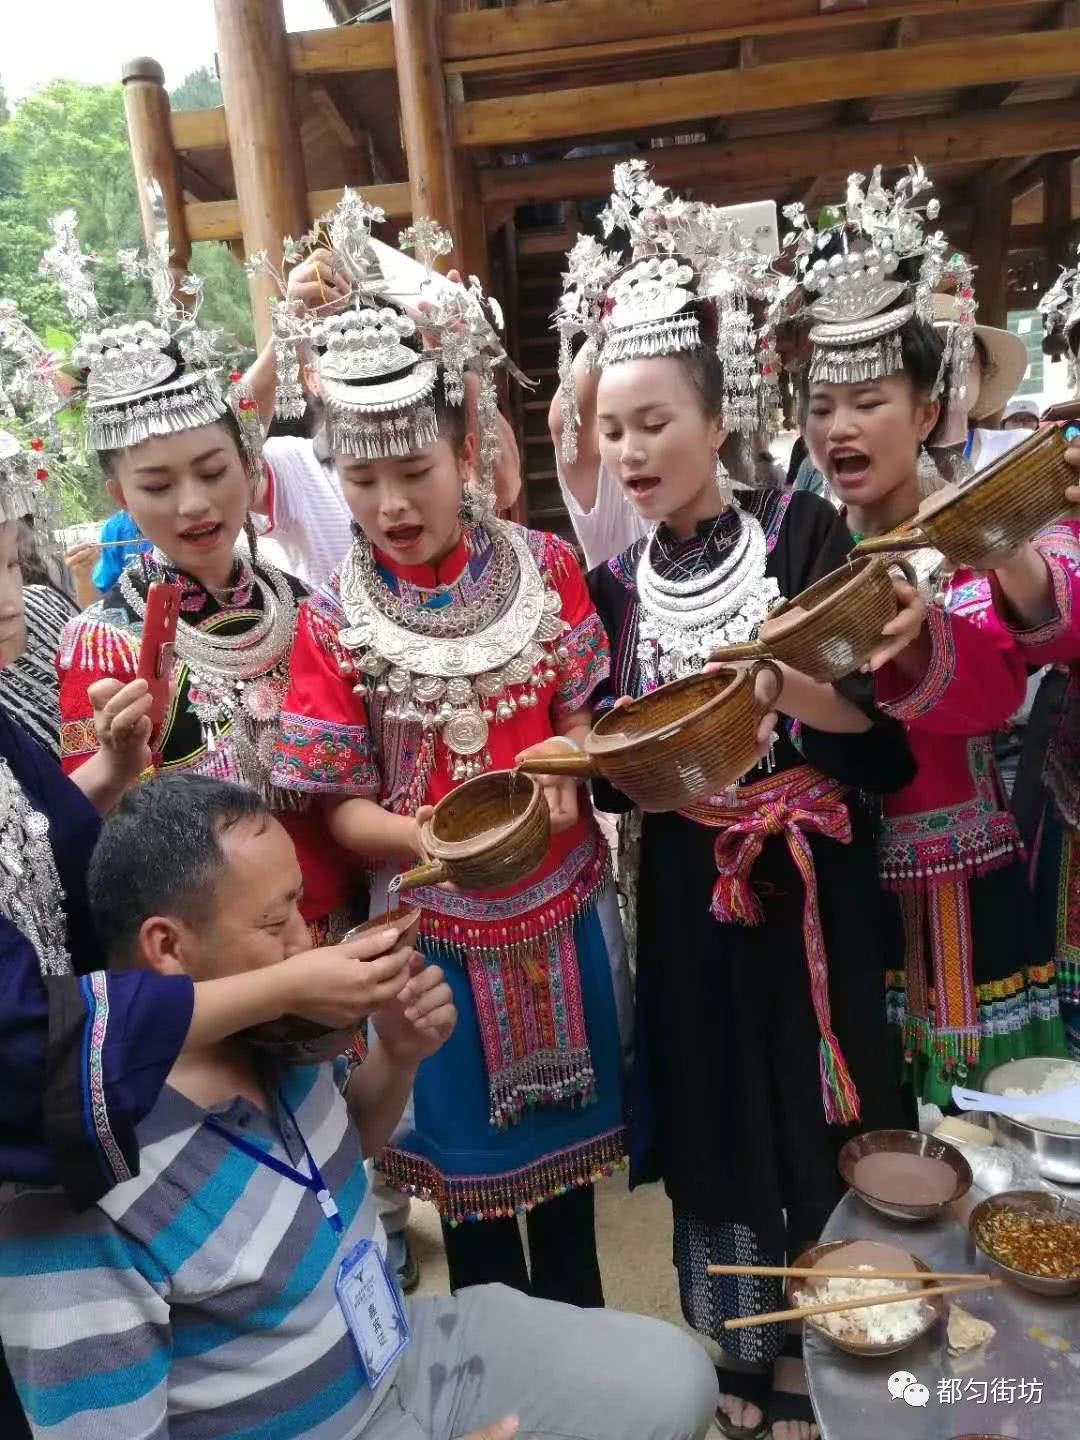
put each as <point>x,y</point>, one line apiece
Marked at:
<point>681,253</point>
<point>379,388</point>
<point>854,297</point>
<point>131,387</point>
<point>1060,309</point>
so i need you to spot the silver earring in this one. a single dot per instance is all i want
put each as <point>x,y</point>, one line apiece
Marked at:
<point>930,477</point>
<point>252,538</point>
<point>723,481</point>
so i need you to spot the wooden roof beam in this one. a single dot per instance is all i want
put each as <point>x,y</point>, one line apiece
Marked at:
<point>220,219</point>
<point>773,161</point>
<point>200,129</point>
<point>578,24</point>
<point>642,105</point>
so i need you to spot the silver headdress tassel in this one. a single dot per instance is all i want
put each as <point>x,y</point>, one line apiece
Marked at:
<point>132,387</point>
<point>379,366</point>
<point>34,470</point>
<point>682,253</point>
<point>856,296</point>
<point>1060,309</point>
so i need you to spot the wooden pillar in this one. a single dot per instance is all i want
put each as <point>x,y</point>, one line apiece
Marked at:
<point>264,137</point>
<point>1057,210</point>
<point>990,252</point>
<point>425,118</point>
<point>511,296</point>
<point>146,105</point>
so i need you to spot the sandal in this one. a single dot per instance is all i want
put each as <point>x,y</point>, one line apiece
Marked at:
<point>755,1388</point>
<point>788,1405</point>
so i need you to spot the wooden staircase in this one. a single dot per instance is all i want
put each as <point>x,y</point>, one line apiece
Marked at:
<point>539,282</point>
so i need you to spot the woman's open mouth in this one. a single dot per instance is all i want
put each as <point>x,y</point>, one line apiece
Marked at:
<point>849,466</point>
<point>404,537</point>
<point>203,537</point>
<point>642,485</point>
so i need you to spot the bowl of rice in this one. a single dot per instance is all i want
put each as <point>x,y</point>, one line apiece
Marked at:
<point>1053,1146</point>
<point>875,1329</point>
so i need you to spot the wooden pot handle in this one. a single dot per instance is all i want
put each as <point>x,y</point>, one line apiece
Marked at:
<point>576,764</point>
<point>907,571</point>
<point>905,539</point>
<point>435,872</point>
<point>761,707</point>
<point>752,650</point>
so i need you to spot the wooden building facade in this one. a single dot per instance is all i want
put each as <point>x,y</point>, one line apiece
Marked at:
<point>503,120</point>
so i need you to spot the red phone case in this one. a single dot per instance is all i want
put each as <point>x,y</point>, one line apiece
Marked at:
<point>158,641</point>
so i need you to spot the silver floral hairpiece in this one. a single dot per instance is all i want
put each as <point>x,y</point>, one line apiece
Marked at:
<point>855,296</point>
<point>1060,309</point>
<point>681,253</point>
<point>34,467</point>
<point>132,387</point>
<point>379,367</point>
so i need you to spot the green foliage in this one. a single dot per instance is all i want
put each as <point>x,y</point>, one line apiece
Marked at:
<point>66,146</point>
<point>201,90</point>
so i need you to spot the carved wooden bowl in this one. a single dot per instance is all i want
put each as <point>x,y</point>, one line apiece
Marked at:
<point>832,628</point>
<point>295,1041</point>
<point>993,513</point>
<point>678,744</point>
<point>488,833</point>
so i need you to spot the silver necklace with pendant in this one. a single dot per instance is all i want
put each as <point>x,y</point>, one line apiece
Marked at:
<point>682,622</point>
<point>31,895</point>
<point>457,684</point>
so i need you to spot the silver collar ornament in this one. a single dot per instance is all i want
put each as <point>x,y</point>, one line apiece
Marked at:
<point>238,683</point>
<point>682,623</point>
<point>682,254</point>
<point>31,896</point>
<point>476,669</point>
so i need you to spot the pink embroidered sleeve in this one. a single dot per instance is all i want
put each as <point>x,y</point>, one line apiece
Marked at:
<point>974,682</point>
<point>324,744</point>
<point>94,646</point>
<point>587,661</point>
<point>1059,638</point>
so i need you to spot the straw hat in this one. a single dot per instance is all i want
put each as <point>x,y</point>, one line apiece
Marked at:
<point>1007,352</point>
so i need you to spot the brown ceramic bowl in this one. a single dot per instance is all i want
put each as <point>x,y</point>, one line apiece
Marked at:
<point>295,1041</point>
<point>905,1142</point>
<point>852,1254</point>
<point>995,511</point>
<point>832,628</point>
<point>678,744</point>
<point>488,833</point>
<point>1035,1202</point>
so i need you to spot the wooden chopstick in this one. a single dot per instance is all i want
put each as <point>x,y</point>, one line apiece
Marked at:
<point>777,1317</point>
<point>823,1272</point>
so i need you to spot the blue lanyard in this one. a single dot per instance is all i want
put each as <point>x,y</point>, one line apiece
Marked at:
<point>313,1181</point>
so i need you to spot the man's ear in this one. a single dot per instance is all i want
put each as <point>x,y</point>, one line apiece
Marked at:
<point>160,946</point>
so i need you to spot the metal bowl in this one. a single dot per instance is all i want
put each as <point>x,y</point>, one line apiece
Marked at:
<point>1049,1146</point>
<point>844,1254</point>
<point>907,1142</point>
<point>1033,1201</point>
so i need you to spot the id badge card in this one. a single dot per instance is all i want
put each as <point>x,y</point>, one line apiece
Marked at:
<point>373,1310</point>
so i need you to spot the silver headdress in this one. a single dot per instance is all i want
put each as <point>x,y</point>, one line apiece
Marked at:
<point>33,468</point>
<point>681,253</point>
<point>857,296</point>
<point>1060,309</point>
<point>131,387</point>
<point>379,367</point>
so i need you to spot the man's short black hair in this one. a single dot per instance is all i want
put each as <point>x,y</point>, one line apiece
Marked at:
<point>159,853</point>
